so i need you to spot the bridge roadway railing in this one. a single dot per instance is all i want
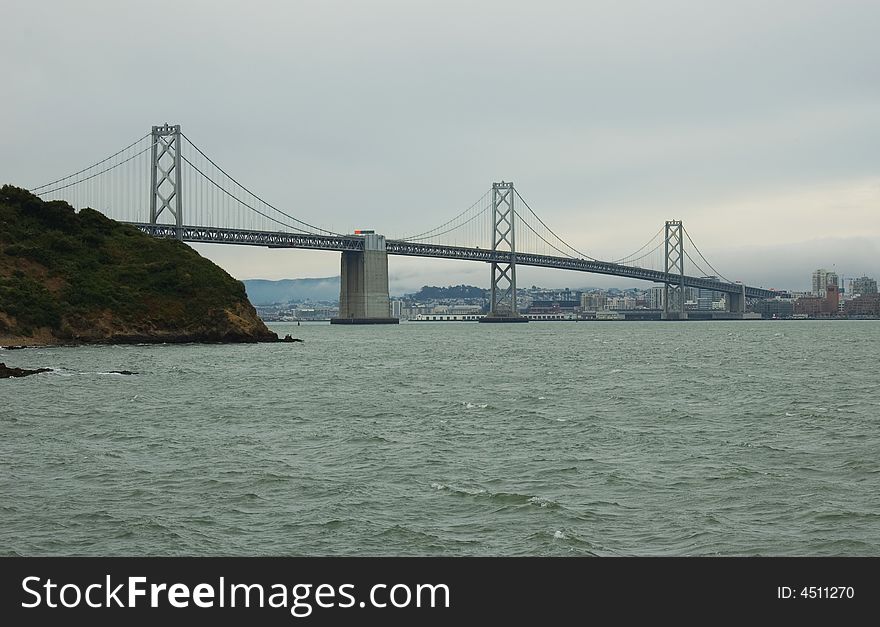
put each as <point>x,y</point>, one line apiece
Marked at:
<point>273,239</point>
<point>243,237</point>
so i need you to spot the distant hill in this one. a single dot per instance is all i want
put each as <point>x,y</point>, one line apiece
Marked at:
<point>79,277</point>
<point>265,292</point>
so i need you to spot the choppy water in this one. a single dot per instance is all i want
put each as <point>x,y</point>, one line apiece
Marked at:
<point>737,438</point>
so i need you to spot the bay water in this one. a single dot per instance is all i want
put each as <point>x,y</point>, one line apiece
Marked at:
<point>556,438</point>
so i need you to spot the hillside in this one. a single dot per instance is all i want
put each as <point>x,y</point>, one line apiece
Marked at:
<point>68,277</point>
<point>266,292</point>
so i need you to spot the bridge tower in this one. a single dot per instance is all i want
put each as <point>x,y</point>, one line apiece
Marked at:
<point>502,303</point>
<point>674,294</point>
<point>165,176</point>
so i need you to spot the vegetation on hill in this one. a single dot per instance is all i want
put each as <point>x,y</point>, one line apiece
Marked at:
<point>68,276</point>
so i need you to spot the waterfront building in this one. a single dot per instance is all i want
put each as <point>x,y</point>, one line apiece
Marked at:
<point>863,306</point>
<point>774,308</point>
<point>819,307</point>
<point>592,301</point>
<point>822,278</point>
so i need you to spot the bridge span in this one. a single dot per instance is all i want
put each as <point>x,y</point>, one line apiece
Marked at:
<point>280,239</point>
<point>167,187</point>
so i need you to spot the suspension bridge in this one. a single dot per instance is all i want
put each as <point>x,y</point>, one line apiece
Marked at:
<point>166,186</point>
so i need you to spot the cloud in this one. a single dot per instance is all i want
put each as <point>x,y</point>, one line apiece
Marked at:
<point>752,121</point>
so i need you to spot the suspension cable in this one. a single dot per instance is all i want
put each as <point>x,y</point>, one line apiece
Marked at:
<point>718,274</point>
<point>564,243</point>
<point>632,260</point>
<point>215,184</point>
<point>696,265</point>
<point>96,174</point>
<point>529,227</point>
<point>648,243</point>
<point>33,190</point>
<point>287,215</point>
<point>431,232</point>
<point>417,238</point>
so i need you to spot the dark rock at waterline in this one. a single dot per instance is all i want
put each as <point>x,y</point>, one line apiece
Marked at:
<point>287,338</point>
<point>11,373</point>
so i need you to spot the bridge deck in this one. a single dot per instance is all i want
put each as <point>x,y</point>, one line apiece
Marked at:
<point>271,239</point>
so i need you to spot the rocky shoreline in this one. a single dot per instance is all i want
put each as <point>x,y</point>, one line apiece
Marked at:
<point>9,372</point>
<point>138,340</point>
<point>19,343</point>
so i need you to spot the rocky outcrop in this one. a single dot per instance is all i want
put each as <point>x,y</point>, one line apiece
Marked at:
<point>13,373</point>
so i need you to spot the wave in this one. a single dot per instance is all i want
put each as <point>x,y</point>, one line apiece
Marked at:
<point>504,498</point>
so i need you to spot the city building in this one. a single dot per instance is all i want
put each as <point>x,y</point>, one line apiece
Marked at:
<point>620,303</point>
<point>863,306</point>
<point>863,285</point>
<point>819,307</point>
<point>709,299</point>
<point>822,278</point>
<point>654,298</point>
<point>774,308</point>
<point>592,301</point>
<point>553,306</point>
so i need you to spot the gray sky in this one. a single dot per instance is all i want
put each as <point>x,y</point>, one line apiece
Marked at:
<point>756,122</point>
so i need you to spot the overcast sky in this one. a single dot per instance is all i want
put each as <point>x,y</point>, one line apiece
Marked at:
<point>756,122</point>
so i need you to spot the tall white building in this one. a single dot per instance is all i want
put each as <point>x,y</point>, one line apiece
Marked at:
<point>655,298</point>
<point>822,278</point>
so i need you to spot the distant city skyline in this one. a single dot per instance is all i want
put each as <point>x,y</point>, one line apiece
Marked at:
<point>753,122</point>
<point>592,281</point>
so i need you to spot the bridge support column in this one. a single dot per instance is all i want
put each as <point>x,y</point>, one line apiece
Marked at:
<point>363,285</point>
<point>502,305</point>
<point>736,303</point>
<point>674,294</point>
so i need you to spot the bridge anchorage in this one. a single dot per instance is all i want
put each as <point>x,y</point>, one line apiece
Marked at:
<point>150,183</point>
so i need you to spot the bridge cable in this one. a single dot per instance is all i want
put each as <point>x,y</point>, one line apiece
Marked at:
<point>634,259</point>
<point>33,190</point>
<point>575,250</point>
<point>539,236</point>
<point>215,184</point>
<point>696,265</point>
<point>469,220</point>
<point>51,191</point>
<point>718,274</point>
<point>431,232</point>
<point>211,161</point>
<point>648,243</point>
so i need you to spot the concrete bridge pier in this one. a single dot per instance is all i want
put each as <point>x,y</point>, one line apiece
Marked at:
<point>736,302</point>
<point>363,286</point>
<point>673,303</point>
